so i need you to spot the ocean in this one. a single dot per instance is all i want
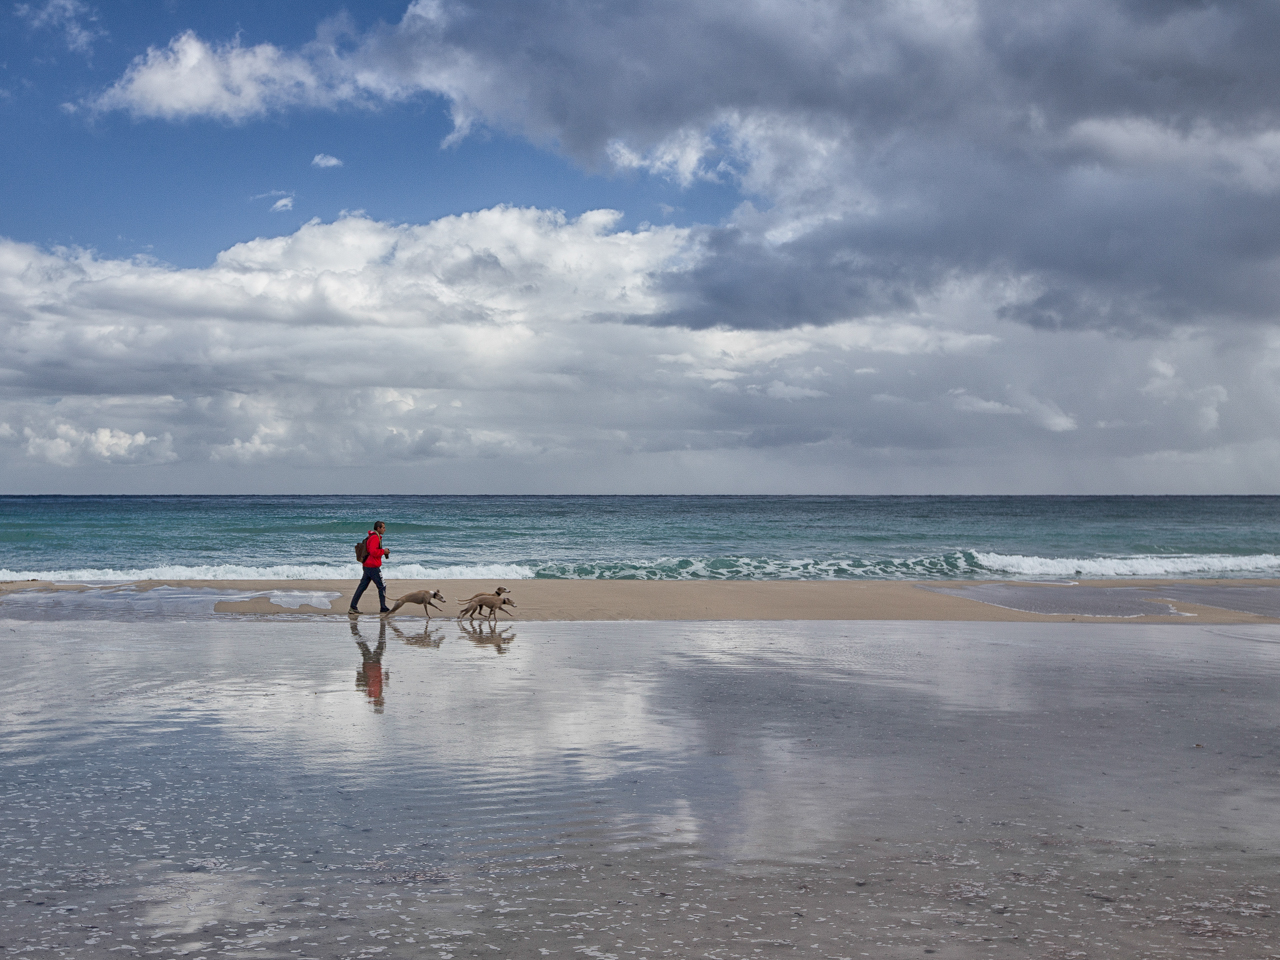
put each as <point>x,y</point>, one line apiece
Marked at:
<point>104,539</point>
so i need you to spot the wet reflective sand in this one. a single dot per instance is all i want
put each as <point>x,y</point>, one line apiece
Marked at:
<point>1092,600</point>
<point>325,788</point>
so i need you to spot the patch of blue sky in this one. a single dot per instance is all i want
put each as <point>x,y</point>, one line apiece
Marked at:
<point>183,191</point>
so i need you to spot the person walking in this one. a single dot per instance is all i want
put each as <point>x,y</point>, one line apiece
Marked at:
<point>373,569</point>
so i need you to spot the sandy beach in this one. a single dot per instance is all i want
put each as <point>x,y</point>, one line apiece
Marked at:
<point>1132,601</point>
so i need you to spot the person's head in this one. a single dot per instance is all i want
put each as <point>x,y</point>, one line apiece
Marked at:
<point>379,528</point>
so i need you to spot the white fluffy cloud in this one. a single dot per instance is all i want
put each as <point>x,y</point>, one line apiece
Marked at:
<point>65,445</point>
<point>512,347</point>
<point>191,77</point>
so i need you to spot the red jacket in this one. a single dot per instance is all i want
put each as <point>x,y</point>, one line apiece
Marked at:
<point>376,553</point>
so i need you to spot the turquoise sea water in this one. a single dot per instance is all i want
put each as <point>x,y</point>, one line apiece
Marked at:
<point>762,538</point>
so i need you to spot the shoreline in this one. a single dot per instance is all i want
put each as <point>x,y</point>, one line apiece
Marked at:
<point>1092,601</point>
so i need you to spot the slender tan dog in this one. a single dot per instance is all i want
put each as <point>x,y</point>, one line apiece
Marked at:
<point>496,592</point>
<point>423,597</point>
<point>491,602</point>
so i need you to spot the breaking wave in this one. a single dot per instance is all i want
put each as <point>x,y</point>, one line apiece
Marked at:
<point>286,571</point>
<point>1154,566</point>
<point>953,565</point>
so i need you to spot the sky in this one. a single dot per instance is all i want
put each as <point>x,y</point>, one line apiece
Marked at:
<point>479,246</point>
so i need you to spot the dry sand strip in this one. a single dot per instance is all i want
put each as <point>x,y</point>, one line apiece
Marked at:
<point>561,600</point>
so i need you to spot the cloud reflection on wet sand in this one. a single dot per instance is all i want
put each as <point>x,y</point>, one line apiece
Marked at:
<point>206,788</point>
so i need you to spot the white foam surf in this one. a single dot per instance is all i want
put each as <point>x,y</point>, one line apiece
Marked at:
<point>955,565</point>
<point>1150,566</point>
<point>229,571</point>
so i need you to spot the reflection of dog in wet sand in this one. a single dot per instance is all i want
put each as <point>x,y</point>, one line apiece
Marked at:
<point>490,603</point>
<point>492,637</point>
<point>428,639</point>
<point>423,597</point>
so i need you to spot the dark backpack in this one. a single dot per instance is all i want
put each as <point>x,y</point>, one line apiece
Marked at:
<point>362,550</point>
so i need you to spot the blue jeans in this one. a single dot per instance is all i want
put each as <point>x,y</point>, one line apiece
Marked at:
<point>371,575</point>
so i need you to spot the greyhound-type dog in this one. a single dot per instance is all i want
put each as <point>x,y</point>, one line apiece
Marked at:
<point>423,597</point>
<point>495,592</point>
<point>491,603</point>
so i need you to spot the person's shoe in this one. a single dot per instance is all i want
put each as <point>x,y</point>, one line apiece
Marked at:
<point>352,612</point>
<point>385,610</point>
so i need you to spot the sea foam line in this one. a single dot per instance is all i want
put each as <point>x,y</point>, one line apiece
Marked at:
<point>228,571</point>
<point>1148,565</point>
<point>955,565</point>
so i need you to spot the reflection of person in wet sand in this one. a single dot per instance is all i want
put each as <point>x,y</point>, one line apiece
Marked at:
<point>371,678</point>
<point>427,638</point>
<point>488,637</point>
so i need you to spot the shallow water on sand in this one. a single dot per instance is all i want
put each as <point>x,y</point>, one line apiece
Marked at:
<point>344,789</point>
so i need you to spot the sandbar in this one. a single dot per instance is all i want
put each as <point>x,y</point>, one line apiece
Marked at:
<point>1216,601</point>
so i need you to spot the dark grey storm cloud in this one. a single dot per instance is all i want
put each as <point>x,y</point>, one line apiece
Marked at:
<point>585,73</point>
<point>1116,163</point>
<point>1122,156</point>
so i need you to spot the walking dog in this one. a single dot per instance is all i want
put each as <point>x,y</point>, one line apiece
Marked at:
<point>491,603</point>
<point>496,592</point>
<point>423,597</point>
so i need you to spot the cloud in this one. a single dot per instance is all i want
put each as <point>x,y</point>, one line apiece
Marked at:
<point>962,400</point>
<point>785,391</point>
<point>77,21</point>
<point>190,77</point>
<point>1111,164</point>
<point>1168,387</point>
<point>969,233</point>
<point>283,202</point>
<point>516,348</point>
<point>64,445</point>
<point>1046,413</point>
<point>323,160</point>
